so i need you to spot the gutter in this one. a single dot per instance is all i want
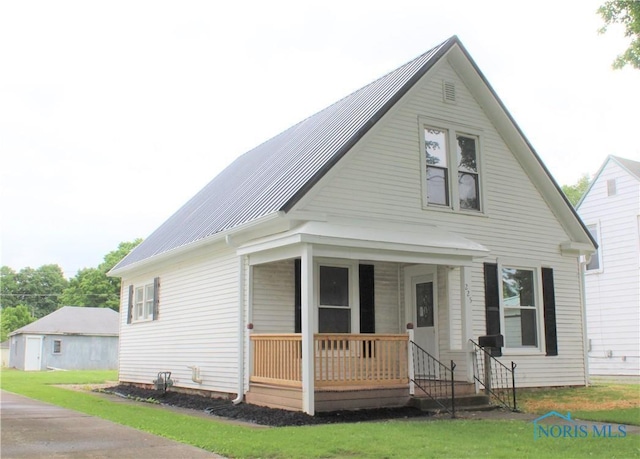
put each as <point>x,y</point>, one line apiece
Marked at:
<point>212,239</point>
<point>583,307</point>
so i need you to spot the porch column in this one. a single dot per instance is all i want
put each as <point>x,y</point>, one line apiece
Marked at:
<point>466,303</point>
<point>308,329</point>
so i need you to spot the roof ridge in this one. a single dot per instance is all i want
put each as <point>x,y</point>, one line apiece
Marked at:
<point>277,173</point>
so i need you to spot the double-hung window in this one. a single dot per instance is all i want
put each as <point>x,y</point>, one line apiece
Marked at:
<point>520,306</point>
<point>143,301</point>
<point>334,307</point>
<point>452,172</point>
<point>595,262</point>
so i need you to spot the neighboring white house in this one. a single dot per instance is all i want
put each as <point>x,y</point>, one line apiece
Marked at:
<point>414,203</point>
<point>611,210</point>
<point>70,338</point>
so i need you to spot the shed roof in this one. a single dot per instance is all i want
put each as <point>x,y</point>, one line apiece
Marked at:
<point>72,320</point>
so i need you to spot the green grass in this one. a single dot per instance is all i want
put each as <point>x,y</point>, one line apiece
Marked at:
<point>392,439</point>
<point>602,402</point>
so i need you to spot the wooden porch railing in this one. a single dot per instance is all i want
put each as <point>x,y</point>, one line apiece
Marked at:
<point>340,359</point>
<point>361,360</point>
<point>277,359</point>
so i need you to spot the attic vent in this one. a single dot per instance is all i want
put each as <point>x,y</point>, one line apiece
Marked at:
<point>449,91</point>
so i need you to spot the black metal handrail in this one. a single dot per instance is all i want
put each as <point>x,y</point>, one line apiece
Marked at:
<point>497,379</point>
<point>433,378</point>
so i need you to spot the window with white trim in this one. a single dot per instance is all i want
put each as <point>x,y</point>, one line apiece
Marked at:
<point>595,262</point>
<point>143,303</point>
<point>452,168</point>
<point>57,346</point>
<point>520,306</point>
<point>334,306</point>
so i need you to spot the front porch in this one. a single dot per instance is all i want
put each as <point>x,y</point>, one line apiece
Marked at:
<point>350,371</point>
<point>330,317</point>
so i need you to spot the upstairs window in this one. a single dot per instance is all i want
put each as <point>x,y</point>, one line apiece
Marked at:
<point>468,183</point>
<point>452,172</point>
<point>435,141</point>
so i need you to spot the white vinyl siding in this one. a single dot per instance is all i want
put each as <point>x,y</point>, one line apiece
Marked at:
<point>198,325</point>
<point>381,179</point>
<point>274,290</point>
<point>613,293</point>
<point>273,297</point>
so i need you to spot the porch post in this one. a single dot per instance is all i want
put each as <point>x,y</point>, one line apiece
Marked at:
<point>466,304</point>
<point>308,329</point>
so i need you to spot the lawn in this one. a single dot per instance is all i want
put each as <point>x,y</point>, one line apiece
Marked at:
<point>390,439</point>
<point>603,402</point>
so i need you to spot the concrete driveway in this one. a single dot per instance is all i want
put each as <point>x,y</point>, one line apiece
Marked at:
<point>35,429</point>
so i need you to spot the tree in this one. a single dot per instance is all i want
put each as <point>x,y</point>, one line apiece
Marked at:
<point>92,287</point>
<point>575,192</point>
<point>13,318</point>
<point>8,288</point>
<point>37,289</point>
<point>627,13</point>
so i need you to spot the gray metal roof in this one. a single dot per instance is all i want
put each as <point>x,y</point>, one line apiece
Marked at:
<point>74,320</point>
<point>277,173</point>
<point>632,166</point>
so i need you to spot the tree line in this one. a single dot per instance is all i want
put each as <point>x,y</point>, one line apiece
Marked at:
<point>30,294</point>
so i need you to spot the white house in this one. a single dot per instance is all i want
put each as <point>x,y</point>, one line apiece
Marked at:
<point>414,207</point>
<point>70,338</point>
<point>611,210</point>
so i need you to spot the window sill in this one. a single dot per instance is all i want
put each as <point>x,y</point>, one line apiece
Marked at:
<point>522,352</point>
<point>141,321</point>
<point>449,210</point>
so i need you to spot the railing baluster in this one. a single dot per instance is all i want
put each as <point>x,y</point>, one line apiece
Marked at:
<point>498,379</point>
<point>433,377</point>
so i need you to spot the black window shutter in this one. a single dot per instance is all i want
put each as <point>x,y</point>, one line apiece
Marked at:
<point>298,296</point>
<point>367,300</point>
<point>549,300</point>
<point>130,305</point>
<point>492,303</point>
<point>156,297</point>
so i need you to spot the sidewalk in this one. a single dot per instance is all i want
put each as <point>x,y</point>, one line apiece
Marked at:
<point>34,429</point>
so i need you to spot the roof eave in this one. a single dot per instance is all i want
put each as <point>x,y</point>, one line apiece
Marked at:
<point>222,236</point>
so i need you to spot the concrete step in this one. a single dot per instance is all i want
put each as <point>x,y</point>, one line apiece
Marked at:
<point>443,389</point>
<point>463,403</point>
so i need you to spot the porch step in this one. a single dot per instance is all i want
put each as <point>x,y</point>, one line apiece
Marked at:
<point>463,403</point>
<point>443,390</point>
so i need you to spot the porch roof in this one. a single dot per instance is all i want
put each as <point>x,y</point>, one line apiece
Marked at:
<point>367,240</point>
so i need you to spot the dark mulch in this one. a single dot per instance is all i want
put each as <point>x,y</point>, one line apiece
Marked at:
<point>257,414</point>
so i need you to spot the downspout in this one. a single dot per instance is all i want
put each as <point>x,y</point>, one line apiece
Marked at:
<point>583,304</point>
<point>240,396</point>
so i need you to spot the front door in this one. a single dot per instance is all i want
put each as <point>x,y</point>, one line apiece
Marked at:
<point>424,299</point>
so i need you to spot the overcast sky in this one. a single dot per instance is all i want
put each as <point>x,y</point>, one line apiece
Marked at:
<point>113,114</point>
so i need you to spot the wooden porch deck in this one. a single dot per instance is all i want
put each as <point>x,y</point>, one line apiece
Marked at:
<point>351,371</point>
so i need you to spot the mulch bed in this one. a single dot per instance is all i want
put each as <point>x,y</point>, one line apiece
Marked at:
<point>259,415</point>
